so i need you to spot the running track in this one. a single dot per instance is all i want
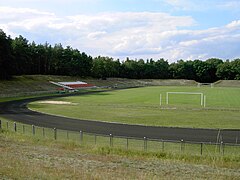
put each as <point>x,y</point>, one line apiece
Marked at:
<point>18,111</point>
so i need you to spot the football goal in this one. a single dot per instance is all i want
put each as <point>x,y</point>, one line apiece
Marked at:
<point>205,85</point>
<point>201,96</point>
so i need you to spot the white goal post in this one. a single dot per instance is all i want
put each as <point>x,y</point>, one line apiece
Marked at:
<point>202,97</point>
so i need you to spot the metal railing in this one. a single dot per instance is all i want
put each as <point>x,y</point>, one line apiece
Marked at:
<point>127,143</point>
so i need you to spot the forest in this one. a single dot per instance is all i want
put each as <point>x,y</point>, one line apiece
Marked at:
<point>18,56</point>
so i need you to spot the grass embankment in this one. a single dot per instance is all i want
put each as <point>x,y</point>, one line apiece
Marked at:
<point>39,84</point>
<point>141,106</point>
<point>26,157</point>
<point>227,83</point>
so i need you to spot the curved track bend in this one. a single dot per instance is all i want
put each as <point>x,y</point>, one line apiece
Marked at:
<point>18,111</point>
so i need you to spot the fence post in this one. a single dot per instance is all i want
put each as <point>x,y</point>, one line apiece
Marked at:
<point>219,147</point>
<point>182,145</point>
<point>7,124</point>
<point>127,143</point>
<point>162,145</point>
<point>0,124</point>
<point>111,140</point>
<point>55,133</point>
<point>95,139</point>
<point>67,136</point>
<point>43,132</point>
<point>222,145</point>
<point>81,137</point>
<point>33,129</point>
<point>201,148</point>
<point>145,143</point>
<point>15,126</point>
<point>23,128</point>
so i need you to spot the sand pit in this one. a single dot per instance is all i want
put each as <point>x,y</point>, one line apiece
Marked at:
<point>57,102</point>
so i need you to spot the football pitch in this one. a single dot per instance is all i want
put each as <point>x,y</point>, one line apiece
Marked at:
<point>174,106</point>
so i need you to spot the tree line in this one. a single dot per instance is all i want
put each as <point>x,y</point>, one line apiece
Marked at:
<point>20,57</point>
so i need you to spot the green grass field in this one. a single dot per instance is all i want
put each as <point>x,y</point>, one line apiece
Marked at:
<point>142,106</point>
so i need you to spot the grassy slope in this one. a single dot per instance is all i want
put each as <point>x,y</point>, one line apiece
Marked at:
<point>24,157</point>
<point>35,84</point>
<point>141,106</point>
<point>227,83</point>
<point>30,85</point>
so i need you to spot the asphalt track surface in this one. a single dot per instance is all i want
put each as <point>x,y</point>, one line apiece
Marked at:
<point>18,111</point>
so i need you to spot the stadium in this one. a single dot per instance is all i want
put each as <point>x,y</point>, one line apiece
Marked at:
<point>151,116</point>
<point>177,108</point>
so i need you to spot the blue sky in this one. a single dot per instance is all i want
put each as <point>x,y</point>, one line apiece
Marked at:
<point>170,29</point>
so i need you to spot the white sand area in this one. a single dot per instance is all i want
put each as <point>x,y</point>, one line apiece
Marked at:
<point>57,102</point>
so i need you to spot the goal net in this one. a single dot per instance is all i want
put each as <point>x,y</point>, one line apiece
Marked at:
<point>199,94</point>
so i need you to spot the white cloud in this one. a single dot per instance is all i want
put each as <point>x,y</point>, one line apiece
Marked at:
<point>96,35</point>
<point>18,13</point>
<point>52,1</point>
<point>181,4</point>
<point>230,5</point>
<point>24,18</point>
<point>193,5</point>
<point>234,24</point>
<point>121,34</point>
<point>202,5</point>
<point>222,42</point>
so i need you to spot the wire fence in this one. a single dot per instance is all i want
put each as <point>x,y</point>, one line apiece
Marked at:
<point>128,143</point>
